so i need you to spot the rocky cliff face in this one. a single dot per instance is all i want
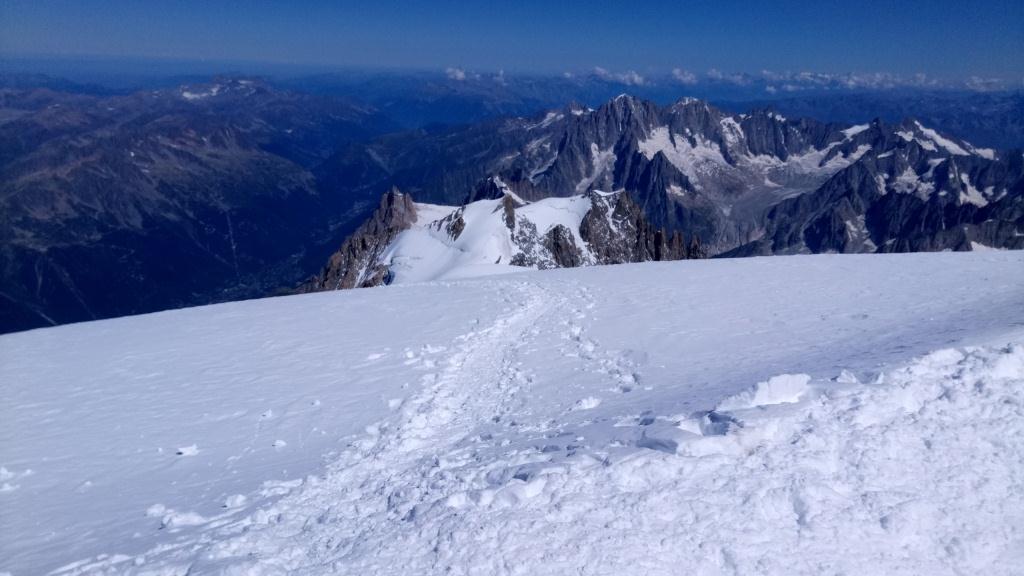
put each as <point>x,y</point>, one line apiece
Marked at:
<point>357,264</point>
<point>617,231</point>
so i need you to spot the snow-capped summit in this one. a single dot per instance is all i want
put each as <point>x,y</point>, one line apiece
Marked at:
<point>223,88</point>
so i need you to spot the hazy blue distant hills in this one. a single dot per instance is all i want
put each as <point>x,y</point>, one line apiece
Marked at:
<point>112,205</point>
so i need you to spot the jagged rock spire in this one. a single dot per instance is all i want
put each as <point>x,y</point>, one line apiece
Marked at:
<point>356,263</point>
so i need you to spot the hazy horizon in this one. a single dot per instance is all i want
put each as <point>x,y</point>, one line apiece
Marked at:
<point>697,38</point>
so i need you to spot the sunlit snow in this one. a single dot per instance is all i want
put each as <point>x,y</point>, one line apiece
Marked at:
<point>784,415</point>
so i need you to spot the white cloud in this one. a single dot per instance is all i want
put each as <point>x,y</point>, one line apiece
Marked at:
<point>805,80</point>
<point>684,76</point>
<point>455,74</point>
<point>629,78</point>
<point>633,79</point>
<point>985,84</point>
<point>738,79</point>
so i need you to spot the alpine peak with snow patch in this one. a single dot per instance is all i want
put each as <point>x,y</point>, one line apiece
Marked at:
<point>404,241</point>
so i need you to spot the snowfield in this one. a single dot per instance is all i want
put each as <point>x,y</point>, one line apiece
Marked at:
<point>485,247</point>
<point>785,415</point>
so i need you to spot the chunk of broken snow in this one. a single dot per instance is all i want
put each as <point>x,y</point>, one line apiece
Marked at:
<point>188,450</point>
<point>782,389</point>
<point>587,403</point>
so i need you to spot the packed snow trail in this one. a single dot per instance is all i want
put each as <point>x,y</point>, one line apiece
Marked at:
<point>144,426</point>
<point>380,481</point>
<point>592,421</point>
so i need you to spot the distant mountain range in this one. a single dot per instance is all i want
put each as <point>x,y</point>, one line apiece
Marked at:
<point>115,204</point>
<point>984,113</point>
<point>743,184</point>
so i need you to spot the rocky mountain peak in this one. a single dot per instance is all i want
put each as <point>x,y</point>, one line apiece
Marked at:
<point>628,112</point>
<point>357,262</point>
<point>396,210</point>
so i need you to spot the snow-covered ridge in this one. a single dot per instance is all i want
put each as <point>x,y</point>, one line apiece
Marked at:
<point>931,140</point>
<point>486,245</point>
<point>196,93</point>
<point>405,241</point>
<point>193,95</point>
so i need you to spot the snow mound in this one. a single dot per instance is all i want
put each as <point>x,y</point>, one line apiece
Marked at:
<point>783,389</point>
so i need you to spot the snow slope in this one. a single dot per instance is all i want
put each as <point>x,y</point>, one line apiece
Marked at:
<point>785,415</point>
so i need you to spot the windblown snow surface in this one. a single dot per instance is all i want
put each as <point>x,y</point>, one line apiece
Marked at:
<point>785,415</point>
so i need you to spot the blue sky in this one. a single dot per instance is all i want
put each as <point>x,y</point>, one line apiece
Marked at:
<point>943,38</point>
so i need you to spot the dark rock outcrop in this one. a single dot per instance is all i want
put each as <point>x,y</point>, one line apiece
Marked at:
<point>508,206</point>
<point>617,231</point>
<point>453,224</point>
<point>560,243</point>
<point>357,263</point>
